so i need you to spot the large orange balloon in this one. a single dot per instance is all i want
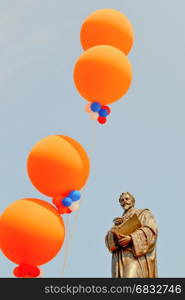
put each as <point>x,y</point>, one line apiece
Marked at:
<point>57,165</point>
<point>31,232</point>
<point>83,155</point>
<point>107,27</point>
<point>102,74</point>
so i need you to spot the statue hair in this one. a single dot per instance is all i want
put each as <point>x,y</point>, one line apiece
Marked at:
<point>130,195</point>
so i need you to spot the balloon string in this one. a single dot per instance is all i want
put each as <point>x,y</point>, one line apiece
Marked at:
<point>77,213</point>
<point>66,244</point>
<point>91,150</point>
<point>70,240</point>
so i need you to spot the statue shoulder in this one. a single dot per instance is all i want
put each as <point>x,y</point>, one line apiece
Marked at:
<point>139,211</point>
<point>144,211</point>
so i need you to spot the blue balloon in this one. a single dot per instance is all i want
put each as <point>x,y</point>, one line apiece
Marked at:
<point>67,201</point>
<point>95,106</point>
<point>103,112</point>
<point>75,195</point>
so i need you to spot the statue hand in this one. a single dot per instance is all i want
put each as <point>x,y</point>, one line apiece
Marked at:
<point>118,221</point>
<point>124,240</point>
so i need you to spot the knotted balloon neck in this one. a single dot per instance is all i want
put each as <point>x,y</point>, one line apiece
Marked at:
<point>26,270</point>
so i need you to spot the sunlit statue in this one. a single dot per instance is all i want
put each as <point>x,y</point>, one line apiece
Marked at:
<point>132,241</point>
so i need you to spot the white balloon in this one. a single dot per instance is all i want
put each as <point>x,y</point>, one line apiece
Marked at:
<point>88,108</point>
<point>93,115</point>
<point>74,206</point>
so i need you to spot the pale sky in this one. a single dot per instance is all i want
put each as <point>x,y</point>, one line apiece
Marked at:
<point>141,148</point>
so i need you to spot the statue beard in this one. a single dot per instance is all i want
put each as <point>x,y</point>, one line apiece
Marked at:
<point>127,207</point>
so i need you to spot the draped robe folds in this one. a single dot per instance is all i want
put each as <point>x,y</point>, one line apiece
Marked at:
<point>138,258</point>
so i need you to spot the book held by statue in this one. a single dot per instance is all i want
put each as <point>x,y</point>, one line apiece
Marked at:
<point>128,226</point>
<point>125,228</point>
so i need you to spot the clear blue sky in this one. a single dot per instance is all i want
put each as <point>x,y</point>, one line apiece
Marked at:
<point>140,150</point>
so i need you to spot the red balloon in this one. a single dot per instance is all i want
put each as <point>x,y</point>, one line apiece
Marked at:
<point>64,210</point>
<point>57,201</point>
<point>102,120</point>
<point>107,108</point>
<point>26,270</point>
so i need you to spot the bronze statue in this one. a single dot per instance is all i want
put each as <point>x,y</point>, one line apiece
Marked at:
<point>132,241</point>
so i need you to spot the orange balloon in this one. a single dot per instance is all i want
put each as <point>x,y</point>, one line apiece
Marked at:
<point>57,165</point>
<point>107,27</point>
<point>83,155</point>
<point>31,232</point>
<point>102,74</point>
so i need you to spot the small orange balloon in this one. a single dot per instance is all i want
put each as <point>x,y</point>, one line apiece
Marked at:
<point>31,232</point>
<point>57,165</point>
<point>107,27</point>
<point>102,74</point>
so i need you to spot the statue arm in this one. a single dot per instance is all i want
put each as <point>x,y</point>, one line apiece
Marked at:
<point>144,239</point>
<point>111,241</point>
<point>125,240</point>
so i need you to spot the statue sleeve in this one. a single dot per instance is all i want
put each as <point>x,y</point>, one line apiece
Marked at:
<point>144,239</point>
<point>111,242</point>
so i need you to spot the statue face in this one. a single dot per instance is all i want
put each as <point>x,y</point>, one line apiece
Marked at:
<point>126,202</point>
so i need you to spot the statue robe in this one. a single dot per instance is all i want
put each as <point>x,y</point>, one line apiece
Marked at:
<point>138,258</point>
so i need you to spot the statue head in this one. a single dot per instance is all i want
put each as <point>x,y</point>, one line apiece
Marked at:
<point>127,201</point>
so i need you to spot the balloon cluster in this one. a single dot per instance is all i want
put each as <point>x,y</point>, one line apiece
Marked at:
<point>69,203</point>
<point>103,73</point>
<point>26,270</point>
<point>31,230</point>
<point>98,112</point>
